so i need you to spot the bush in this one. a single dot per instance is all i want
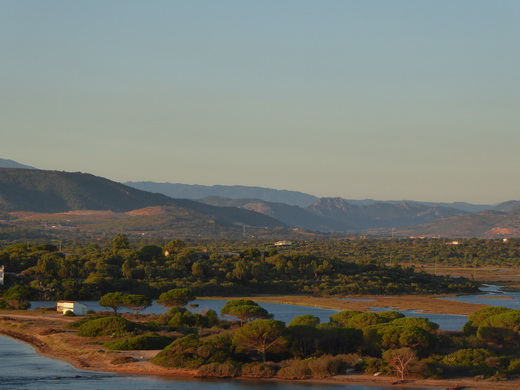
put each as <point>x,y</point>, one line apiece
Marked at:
<point>326,366</point>
<point>141,342</point>
<point>351,360</point>
<point>427,368</point>
<point>295,369</point>
<point>514,366</point>
<point>108,326</point>
<point>259,370</point>
<point>371,366</point>
<point>69,313</point>
<point>181,353</point>
<point>471,360</point>
<point>219,370</point>
<point>83,320</point>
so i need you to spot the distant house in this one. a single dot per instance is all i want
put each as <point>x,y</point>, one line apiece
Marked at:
<point>77,308</point>
<point>1,275</point>
<point>283,243</point>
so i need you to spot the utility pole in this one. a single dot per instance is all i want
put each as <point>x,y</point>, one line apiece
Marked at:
<point>60,244</point>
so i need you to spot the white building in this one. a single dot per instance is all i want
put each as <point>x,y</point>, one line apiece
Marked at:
<point>1,275</point>
<point>283,243</point>
<point>77,308</point>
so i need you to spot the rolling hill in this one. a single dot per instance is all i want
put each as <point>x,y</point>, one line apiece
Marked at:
<point>53,194</point>
<point>61,192</point>
<point>379,215</point>
<point>290,215</point>
<point>485,224</point>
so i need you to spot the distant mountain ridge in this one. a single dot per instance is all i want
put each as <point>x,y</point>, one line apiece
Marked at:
<point>292,198</point>
<point>188,191</point>
<point>4,163</point>
<point>57,192</point>
<point>41,191</point>
<point>336,214</point>
<point>484,224</point>
<point>290,215</point>
<point>380,214</point>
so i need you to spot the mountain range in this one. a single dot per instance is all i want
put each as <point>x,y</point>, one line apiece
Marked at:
<point>233,208</point>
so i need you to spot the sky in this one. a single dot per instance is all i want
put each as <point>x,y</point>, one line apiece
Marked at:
<point>389,100</point>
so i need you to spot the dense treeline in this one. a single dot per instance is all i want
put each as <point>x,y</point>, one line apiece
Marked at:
<point>258,346</point>
<point>331,267</point>
<point>449,252</point>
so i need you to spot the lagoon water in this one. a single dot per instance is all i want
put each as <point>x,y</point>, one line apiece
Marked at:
<point>493,296</point>
<point>282,312</point>
<point>21,368</point>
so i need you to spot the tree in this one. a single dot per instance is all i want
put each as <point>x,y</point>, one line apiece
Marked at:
<point>362,320</point>
<point>177,297</point>
<point>120,241</point>
<point>480,316</point>
<point>305,320</point>
<point>245,310</point>
<point>174,246</point>
<point>501,329</point>
<point>137,302</point>
<point>423,323</point>
<point>114,300</point>
<point>400,336</point>
<point>400,360</point>
<point>150,253</point>
<point>344,316</point>
<point>334,339</point>
<point>261,336</point>
<point>18,297</point>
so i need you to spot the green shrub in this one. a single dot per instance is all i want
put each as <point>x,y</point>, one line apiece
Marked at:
<point>107,326</point>
<point>427,368</point>
<point>69,313</point>
<point>219,370</point>
<point>295,369</point>
<point>326,366</point>
<point>181,353</point>
<point>471,360</point>
<point>141,342</point>
<point>83,320</point>
<point>514,366</point>
<point>371,366</point>
<point>351,360</point>
<point>259,370</point>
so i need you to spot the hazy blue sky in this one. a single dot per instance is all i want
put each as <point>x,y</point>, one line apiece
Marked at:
<point>400,99</point>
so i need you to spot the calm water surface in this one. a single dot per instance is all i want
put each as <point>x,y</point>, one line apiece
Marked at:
<point>491,295</point>
<point>21,368</point>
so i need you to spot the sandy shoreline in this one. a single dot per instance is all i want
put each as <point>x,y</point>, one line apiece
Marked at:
<point>48,335</point>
